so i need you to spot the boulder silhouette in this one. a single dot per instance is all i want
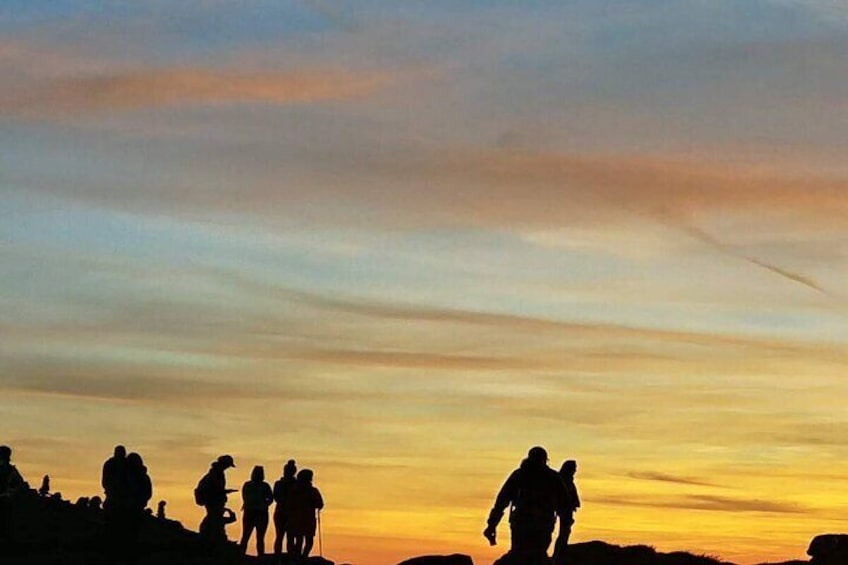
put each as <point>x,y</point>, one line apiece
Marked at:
<point>829,549</point>
<point>455,559</point>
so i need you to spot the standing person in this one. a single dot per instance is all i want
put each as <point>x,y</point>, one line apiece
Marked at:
<point>114,477</point>
<point>117,506</point>
<point>127,513</point>
<point>536,495</point>
<point>282,489</point>
<point>572,503</point>
<point>211,493</point>
<point>11,484</point>
<point>304,501</point>
<point>257,497</point>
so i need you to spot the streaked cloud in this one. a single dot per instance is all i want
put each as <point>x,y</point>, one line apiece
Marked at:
<point>153,88</point>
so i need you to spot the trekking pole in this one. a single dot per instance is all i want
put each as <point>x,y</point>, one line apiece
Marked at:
<point>320,536</point>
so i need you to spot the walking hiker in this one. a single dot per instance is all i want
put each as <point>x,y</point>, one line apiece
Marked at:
<point>257,497</point>
<point>11,484</point>
<point>572,503</point>
<point>211,493</point>
<point>535,495</point>
<point>282,489</point>
<point>304,501</point>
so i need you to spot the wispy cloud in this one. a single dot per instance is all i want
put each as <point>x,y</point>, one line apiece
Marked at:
<point>666,478</point>
<point>154,88</point>
<point>708,502</point>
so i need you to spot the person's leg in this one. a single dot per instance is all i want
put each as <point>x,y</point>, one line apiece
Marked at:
<point>291,542</point>
<point>309,540</point>
<point>296,547</point>
<point>261,528</point>
<point>279,532</point>
<point>247,525</point>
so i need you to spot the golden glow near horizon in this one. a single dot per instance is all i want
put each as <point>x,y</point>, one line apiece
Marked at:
<point>404,244</point>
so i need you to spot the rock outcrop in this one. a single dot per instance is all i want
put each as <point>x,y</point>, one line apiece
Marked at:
<point>455,559</point>
<point>829,549</point>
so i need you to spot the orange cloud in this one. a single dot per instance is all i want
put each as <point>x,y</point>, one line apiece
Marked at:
<point>153,88</point>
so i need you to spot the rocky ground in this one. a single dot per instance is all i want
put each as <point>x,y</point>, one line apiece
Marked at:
<point>49,531</point>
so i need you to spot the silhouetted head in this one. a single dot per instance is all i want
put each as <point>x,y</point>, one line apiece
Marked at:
<point>96,502</point>
<point>568,468</point>
<point>290,468</point>
<point>120,452</point>
<point>258,473</point>
<point>5,454</point>
<point>226,461</point>
<point>537,456</point>
<point>305,475</point>
<point>134,461</point>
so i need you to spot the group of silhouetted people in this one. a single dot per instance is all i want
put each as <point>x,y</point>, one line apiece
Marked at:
<point>296,512</point>
<point>536,496</point>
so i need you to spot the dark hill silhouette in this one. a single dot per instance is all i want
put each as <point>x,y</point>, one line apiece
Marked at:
<point>52,531</point>
<point>49,530</point>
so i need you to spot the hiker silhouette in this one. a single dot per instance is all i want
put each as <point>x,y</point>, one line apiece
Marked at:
<point>536,495</point>
<point>303,503</point>
<point>282,489</point>
<point>12,484</point>
<point>211,493</point>
<point>128,489</point>
<point>566,519</point>
<point>256,497</point>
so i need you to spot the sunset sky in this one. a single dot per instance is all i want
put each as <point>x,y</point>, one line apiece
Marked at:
<point>402,242</point>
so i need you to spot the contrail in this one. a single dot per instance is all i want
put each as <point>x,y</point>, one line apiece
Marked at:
<point>704,237</point>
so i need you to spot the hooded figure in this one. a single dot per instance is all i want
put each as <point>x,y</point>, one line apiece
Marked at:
<point>257,497</point>
<point>535,495</point>
<point>572,503</point>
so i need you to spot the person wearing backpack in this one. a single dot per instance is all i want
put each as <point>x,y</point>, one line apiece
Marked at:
<point>282,489</point>
<point>536,495</point>
<point>256,497</point>
<point>211,493</point>
<point>572,503</point>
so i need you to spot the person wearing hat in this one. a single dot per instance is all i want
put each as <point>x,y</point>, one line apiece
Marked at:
<point>536,495</point>
<point>212,493</point>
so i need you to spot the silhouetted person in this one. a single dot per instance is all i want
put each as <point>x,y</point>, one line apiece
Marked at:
<point>11,485</point>
<point>257,497</point>
<point>304,501</point>
<point>44,490</point>
<point>117,506</point>
<point>114,478</point>
<point>535,495</point>
<point>566,519</point>
<point>160,510</point>
<point>282,488</point>
<point>211,493</point>
<point>96,503</point>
